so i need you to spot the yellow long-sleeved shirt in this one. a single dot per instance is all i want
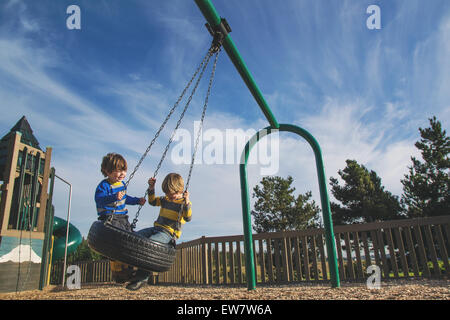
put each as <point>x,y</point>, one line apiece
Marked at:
<point>168,214</point>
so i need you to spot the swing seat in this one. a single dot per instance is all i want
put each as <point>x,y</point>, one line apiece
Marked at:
<point>130,248</point>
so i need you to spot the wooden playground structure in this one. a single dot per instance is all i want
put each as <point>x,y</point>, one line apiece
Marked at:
<point>25,171</point>
<point>27,223</point>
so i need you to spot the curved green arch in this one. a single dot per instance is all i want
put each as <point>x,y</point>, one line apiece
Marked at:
<point>325,202</point>
<point>216,23</point>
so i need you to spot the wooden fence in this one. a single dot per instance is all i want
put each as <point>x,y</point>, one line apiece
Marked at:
<point>400,248</point>
<point>91,271</point>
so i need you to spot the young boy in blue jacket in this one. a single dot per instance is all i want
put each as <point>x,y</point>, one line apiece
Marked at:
<point>111,199</point>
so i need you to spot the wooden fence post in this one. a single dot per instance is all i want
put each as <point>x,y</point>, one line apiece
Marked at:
<point>205,259</point>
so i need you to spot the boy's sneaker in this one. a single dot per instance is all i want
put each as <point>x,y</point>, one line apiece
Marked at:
<point>136,284</point>
<point>140,278</point>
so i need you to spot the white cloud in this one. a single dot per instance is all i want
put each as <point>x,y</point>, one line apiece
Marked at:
<point>343,133</point>
<point>443,82</point>
<point>392,164</point>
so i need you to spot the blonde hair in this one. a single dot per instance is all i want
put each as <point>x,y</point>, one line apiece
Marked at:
<point>173,183</point>
<point>111,162</point>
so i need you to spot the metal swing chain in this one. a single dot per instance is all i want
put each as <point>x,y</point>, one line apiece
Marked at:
<point>202,118</point>
<point>181,117</point>
<point>167,118</point>
<point>204,64</point>
<point>205,106</point>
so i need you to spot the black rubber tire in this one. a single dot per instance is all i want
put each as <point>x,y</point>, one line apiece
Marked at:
<point>130,248</point>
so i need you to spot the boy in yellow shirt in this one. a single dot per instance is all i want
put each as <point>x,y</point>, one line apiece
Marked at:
<point>175,211</point>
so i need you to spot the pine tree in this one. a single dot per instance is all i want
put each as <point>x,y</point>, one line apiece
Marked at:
<point>363,198</point>
<point>277,208</point>
<point>426,187</point>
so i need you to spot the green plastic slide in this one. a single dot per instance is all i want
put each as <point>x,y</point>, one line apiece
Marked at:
<point>59,244</point>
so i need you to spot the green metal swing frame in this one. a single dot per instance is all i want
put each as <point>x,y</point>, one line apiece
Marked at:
<point>215,21</point>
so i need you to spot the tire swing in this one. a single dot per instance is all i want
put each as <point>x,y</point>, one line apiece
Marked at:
<point>130,247</point>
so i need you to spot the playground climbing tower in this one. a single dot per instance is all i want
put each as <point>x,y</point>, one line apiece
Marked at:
<point>24,178</point>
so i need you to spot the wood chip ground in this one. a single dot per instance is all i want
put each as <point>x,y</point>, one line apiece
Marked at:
<point>392,290</point>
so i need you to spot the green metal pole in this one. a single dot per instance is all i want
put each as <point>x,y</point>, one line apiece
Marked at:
<point>213,18</point>
<point>325,202</point>
<point>247,222</point>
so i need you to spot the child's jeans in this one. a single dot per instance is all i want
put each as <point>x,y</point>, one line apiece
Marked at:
<point>156,234</point>
<point>117,220</point>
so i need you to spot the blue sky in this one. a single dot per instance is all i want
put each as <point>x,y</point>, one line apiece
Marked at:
<point>107,87</point>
